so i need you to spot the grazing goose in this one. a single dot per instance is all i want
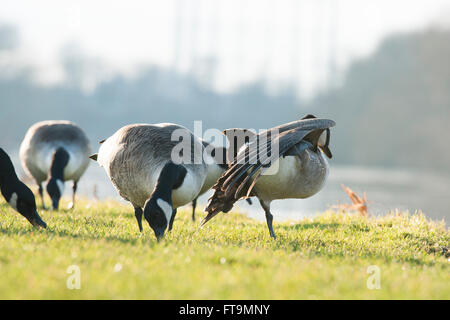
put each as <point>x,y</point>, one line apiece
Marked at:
<point>138,160</point>
<point>55,151</point>
<point>300,167</point>
<point>16,193</point>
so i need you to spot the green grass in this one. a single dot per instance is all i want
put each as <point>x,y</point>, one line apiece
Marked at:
<point>232,257</point>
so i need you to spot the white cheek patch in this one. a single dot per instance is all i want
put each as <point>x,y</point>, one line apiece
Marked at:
<point>13,201</point>
<point>166,208</point>
<point>60,186</point>
<point>322,139</point>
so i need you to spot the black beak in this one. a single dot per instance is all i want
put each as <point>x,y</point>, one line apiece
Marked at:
<point>159,233</point>
<point>37,221</point>
<point>55,204</point>
<point>327,152</point>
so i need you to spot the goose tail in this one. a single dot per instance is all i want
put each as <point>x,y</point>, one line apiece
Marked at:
<point>220,201</point>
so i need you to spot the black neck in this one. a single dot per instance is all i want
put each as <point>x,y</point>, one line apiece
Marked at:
<point>59,162</point>
<point>7,172</point>
<point>171,177</point>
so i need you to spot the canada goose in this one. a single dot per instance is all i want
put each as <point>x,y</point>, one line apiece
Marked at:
<point>215,170</point>
<point>138,159</point>
<point>302,168</point>
<point>16,193</point>
<point>55,151</point>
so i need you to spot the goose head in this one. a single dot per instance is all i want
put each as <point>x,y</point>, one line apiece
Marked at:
<point>16,193</point>
<point>55,189</point>
<point>324,139</point>
<point>24,202</point>
<point>158,212</point>
<point>324,142</point>
<point>55,184</point>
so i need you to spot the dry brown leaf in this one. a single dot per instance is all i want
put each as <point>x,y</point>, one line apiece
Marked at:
<point>358,204</point>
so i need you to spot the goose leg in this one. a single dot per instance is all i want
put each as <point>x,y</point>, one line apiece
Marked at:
<point>269,217</point>
<point>74,189</point>
<point>172,218</point>
<point>138,214</point>
<point>41,194</point>
<point>194,205</point>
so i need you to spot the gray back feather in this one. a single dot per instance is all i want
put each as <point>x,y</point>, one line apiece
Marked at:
<point>64,132</point>
<point>51,135</point>
<point>138,151</point>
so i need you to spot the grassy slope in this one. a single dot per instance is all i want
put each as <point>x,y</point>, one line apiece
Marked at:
<point>231,257</point>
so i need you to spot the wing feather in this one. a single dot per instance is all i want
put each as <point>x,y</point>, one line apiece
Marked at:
<point>235,182</point>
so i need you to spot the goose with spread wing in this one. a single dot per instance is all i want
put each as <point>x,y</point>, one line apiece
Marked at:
<point>284,162</point>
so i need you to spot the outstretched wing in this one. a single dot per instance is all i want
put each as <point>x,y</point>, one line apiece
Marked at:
<point>257,156</point>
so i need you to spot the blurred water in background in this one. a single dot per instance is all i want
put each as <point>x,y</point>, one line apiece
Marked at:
<point>386,189</point>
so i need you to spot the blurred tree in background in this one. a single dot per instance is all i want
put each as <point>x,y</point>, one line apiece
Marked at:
<point>392,109</point>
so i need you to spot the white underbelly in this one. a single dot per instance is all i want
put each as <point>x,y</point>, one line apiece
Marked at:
<point>214,172</point>
<point>78,163</point>
<point>137,187</point>
<point>76,166</point>
<point>189,189</point>
<point>293,177</point>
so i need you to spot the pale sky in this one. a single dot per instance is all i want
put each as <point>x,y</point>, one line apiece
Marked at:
<point>278,41</point>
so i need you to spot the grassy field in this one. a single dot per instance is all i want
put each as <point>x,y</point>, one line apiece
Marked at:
<point>233,257</point>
